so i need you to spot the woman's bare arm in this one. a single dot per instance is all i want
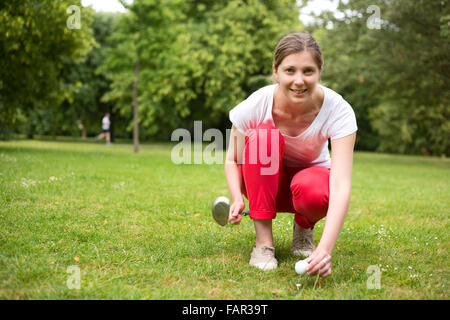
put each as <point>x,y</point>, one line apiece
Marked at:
<point>233,174</point>
<point>340,187</point>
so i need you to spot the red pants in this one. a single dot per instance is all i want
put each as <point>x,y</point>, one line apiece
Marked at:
<point>270,187</point>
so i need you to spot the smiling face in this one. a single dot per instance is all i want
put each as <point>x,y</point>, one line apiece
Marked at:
<point>297,75</point>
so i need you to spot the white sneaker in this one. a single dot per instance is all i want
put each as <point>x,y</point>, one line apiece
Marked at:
<point>263,258</point>
<point>302,241</point>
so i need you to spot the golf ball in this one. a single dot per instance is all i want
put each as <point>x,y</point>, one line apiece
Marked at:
<point>300,266</point>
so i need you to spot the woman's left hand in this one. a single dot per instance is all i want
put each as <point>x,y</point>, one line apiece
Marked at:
<point>319,261</point>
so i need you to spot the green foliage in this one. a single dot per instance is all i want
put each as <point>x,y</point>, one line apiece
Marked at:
<point>396,77</point>
<point>34,42</point>
<point>424,130</point>
<point>86,107</point>
<point>198,59</point>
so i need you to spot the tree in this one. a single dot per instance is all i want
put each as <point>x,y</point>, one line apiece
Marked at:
<point>87,107</point>
<point>396,75</point>
<point>34,42</point>
<point>197,59</point>
<point>83,109</point>
<point>140,41</point>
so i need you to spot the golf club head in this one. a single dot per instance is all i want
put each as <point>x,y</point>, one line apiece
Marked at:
<point>220,210</point>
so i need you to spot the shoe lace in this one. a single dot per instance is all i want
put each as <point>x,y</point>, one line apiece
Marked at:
<point>267,251</point>
<point>303,239</point>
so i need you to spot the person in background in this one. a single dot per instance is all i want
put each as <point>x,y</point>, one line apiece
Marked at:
<point>106,124</point>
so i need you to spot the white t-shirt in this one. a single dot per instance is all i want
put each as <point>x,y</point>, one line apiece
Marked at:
<point>105,123</point>
<point>336,119</point>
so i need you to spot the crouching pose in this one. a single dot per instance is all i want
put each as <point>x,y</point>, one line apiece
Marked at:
<point>278,156</point>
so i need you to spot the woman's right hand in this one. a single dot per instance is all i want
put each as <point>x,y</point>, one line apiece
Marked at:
<point>236,209</point>
<point>233,174</point>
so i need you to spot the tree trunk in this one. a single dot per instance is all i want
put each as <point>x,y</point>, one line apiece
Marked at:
<point>135,109</point>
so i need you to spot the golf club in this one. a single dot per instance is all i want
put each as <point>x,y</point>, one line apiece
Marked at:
<point>221,208</point>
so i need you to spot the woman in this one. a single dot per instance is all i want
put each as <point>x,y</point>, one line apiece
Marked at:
<point>278,156</point>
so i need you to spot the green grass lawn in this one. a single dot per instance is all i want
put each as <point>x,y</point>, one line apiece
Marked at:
<point>140,227</point>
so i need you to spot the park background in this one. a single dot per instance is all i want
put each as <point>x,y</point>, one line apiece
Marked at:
<point>139,226</point>
<point>179,61</point>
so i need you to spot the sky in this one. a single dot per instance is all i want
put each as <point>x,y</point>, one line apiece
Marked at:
<point>104,5</point>
<point>315,6</point>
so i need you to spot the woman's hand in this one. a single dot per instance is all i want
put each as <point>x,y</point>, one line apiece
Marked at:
<point>319,261</point>
<point>236,209</point>
<point>233,174</point>
<point>340,185</point>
